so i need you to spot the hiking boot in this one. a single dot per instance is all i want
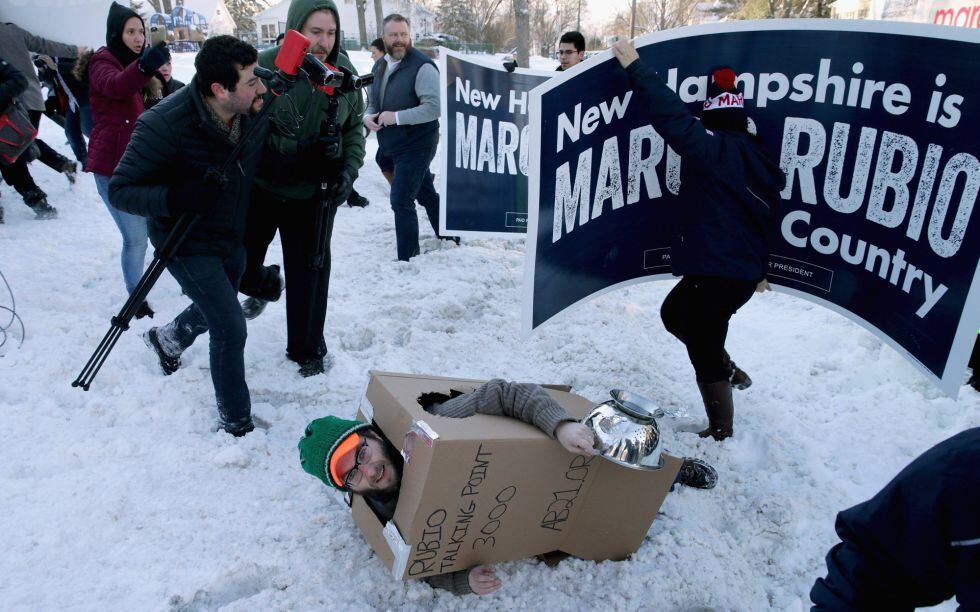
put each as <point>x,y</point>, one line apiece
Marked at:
<point>311,367</point>
<point>736,376</point>
<point>718,404</point>
<point>697,474</point>
<point>239,429</point>
<point>253,307</point>
<point>38,201</point>
<point>144,310</point>
<point>168,364</point>
<point>357,200</point>
<point>70,170</point>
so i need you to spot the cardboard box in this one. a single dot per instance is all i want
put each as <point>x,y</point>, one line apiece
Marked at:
<point>487,489</point>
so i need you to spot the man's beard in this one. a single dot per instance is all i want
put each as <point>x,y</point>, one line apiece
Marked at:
<point>398,52</point>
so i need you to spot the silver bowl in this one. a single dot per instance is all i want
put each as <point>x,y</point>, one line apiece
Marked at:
<point>626,431</point>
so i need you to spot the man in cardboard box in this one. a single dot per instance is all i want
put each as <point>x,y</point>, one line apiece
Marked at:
<point>356,458</point>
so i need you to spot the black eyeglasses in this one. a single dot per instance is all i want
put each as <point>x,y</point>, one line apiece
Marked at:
<point>354,475</point>
<point>567,51</point>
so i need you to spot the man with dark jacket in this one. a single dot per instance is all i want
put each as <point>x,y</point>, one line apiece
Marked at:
<point>917,542</point>
<point>171,168</point>
<point>313,153</point>
<point>16,46</point>
<point>720,244</point>
<point>404,112</point>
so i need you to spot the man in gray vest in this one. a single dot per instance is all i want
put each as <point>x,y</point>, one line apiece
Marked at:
<point>404,112</point>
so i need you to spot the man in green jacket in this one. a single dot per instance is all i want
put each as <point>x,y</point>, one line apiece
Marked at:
<point>314,150</point>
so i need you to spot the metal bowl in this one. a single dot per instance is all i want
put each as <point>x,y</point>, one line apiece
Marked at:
<point>626,431</point>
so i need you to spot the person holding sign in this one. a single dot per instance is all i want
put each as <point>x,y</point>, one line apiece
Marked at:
<point>356,458</point>
<point>719,249</point>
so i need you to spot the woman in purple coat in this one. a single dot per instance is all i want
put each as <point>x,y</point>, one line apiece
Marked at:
<point>116,73</point>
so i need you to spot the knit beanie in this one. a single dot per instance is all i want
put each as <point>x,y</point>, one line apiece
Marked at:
<point>725,107</point>
<point>115,23</point>
<point>322,439</point>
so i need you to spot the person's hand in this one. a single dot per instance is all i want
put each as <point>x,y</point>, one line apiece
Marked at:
<point>371,122</point>
<point>387,118</point>
<point>625,52</point>
<point>483,580</point>
<point>48,61</point>
<point>763,286</point>
<point>320,148</point>
<point>192,197</point>
<point>340,190</point>
<point>153,57</point>
<point>576,438</point>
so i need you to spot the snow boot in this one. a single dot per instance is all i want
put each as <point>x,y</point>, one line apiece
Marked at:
<point>168,364</point>
<point>736,376</point>
<point>311,367</point>
<point>356,199</point>
<point>238,429</point>
<point>271,291</point>
<point>37,200</point>
<point>720,408</point>
<point>144,310</point>
<point>696,474</point>
<point>69,169</point>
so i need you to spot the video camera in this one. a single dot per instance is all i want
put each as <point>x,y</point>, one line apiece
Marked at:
<point>294,59</point>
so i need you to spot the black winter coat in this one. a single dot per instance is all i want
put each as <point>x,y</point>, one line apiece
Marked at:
<point>12,84</point>
<point>728,187</point>
<point>914,544</point>
<point>178,141</point>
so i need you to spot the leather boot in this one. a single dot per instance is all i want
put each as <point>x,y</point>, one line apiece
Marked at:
<point>718,404</point>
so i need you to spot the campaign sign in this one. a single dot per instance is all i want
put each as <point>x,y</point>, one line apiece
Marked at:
<point>875,126</point>
<point>484,147</point>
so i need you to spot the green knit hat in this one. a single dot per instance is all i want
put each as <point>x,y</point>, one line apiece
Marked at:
<point>322,438</point>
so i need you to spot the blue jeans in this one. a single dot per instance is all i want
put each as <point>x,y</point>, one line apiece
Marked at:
<point>78,123</point>
<point>133,230</point>
<point>212,285</point>
<point>412,181</point>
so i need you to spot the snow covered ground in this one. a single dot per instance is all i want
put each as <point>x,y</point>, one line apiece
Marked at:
<point>123,499</point>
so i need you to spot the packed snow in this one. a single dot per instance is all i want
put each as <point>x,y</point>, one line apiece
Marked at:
<point>124,498</point>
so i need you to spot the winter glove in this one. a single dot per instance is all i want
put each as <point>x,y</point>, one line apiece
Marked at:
<point>339,191</point>
<point>153,57</point>
<point>196,196</point>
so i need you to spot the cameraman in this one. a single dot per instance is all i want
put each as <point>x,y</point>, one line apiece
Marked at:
<point>170,168</point>
<point>305,175</point>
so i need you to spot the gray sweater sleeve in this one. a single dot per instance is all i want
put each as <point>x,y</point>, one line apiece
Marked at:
<point>527,402</point>
<point>427,89</point>
<point>44,46</point>
<point>455,582</point>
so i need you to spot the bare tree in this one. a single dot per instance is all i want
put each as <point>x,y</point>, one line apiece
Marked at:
<point>378,17</point>
<point>362,22</point>
<point>521,16</point>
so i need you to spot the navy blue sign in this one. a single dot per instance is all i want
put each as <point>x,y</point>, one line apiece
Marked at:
<point>484,147</point>
<point>875,125</point>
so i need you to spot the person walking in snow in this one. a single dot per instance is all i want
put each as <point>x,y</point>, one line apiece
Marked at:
<point>16,46</point>
<point>172,168</point>
<point>356,458</point>
<point>314,152</point>
<point>916,543</point>
<point>115,75</point>
<point>720,246</point>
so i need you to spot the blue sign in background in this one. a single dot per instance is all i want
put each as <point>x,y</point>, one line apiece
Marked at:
<point>480,201</point>
<point>631,242</point>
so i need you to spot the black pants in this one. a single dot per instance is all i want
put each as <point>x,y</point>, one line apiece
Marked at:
<point>306,298</point>
<point>697,311</point>
<point>18,176</point>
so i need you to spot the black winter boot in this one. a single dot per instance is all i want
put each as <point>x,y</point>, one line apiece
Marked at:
<point>168,363</point>
<point>38,201</point>
<point>737,377</point>
<point>144,310</point>
<point>718,404</point>
<point>697,474</point>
